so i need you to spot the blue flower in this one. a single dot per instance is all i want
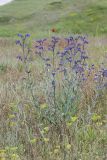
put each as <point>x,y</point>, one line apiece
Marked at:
<point>27,35</point>
<point>105,85</point>
<point>69,59</point>
<point>20,35</point>
<point>84,57</point>
<point>104,73</point>
<point>19,57</point>
<point>18,42</point>
<point>53,74</point>
<point>48,65</point>
<point>46,59</point>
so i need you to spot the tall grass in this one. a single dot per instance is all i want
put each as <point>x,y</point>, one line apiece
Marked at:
<point>53,108</point>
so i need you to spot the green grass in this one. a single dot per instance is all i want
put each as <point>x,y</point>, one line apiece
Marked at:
<point>90,20</point>
<point>38,17</point>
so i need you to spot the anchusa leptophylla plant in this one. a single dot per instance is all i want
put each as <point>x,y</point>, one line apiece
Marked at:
<point>99,82</point>
<point>100,76</point>
<point>25,55</point>
<point>73,63</point>
<point>25,58</point>
<point>74,56</point>
<point>48,55</point>
<point>101,79</point>
<point>40,47</point>
<point>50,59</point>
<point>65,70</point>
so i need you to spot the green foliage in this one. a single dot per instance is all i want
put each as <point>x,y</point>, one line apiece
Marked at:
<point>20,67</point>
<point>3,68</point>
<point>64,15</point>
<point>90,20</point>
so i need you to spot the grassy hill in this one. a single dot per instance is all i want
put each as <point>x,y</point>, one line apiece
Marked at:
<point>67,16</point>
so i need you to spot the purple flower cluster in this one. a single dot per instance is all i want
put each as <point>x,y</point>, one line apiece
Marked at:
<point>67,71</point>
<point>24,44</point>
<point>71,58</point>
<point>104,73</point>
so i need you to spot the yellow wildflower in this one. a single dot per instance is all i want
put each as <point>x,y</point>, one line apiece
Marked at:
<point>99,123</point>
<point>43,106</point>
<point>11,116</point>
<point>46,129</point>
<point>56,150</point>
<point>96,117</point>
<point>68,146</point>
<point>46,140</point>
<point>69,124</point>
<point>2,154</point>
<point>33,140</point>
<point>12,124</point>
<point>15,157</point>
<point>74,118</point>
<point>58,147</point>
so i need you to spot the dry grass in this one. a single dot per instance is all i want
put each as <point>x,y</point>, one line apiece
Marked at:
<point>26,135</point>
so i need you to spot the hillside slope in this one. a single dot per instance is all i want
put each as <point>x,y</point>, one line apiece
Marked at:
<point>67,16</point>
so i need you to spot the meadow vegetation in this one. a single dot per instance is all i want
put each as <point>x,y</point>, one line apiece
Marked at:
<point>52,108</point>
<point>53,90</point>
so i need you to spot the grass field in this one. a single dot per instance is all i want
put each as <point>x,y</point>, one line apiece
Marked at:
<point>67,16</point>
<point>53,91</point>
<point>31,129</point>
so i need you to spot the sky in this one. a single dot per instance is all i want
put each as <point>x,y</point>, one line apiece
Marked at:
<point>3,2</point>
